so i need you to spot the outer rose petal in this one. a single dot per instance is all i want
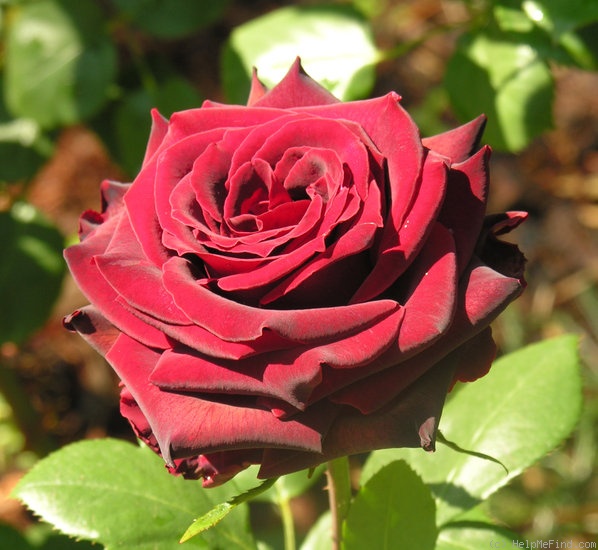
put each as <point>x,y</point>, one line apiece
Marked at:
<point>465,203</point>
<point>82,263</point>
<point>204,425</point>
<point>458,144</point>
<point>96,330</point>
<point>216,468</point>
<point>290,376</point>
<point>411,420</point>
<point>476,357</point>
<point>157,134</point>
<point>257,91</point>
<point>112,193</point>
<point>296,89</point>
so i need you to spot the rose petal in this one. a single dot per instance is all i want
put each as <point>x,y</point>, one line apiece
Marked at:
<point>459,143</point>
<point>157,134</point>
<point>307,285</point>
<point>288,375</point>
<point>81,259</point>
<point>429,309</point>
<point>484,294</point>
<point>400,244</point>
<point>184,124</point>
<point>294,90</point>
<point>93,327</point>
<point>205,426</point>
<point>144,291</point>
<point>465,203</point>
<point>216,468</point>
<point>112,194</point>
<point>475,357</point>
<point>257,91</point>
<point>409,421</point>
<point>343,207</point>
<point>502,256</point>
<point>236,322</point>
<point>390,129</point>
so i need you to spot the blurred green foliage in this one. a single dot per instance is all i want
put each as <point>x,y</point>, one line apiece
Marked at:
<point>31,270</point>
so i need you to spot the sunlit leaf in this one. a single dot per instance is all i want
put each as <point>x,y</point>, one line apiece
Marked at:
<point>559,17</point>
<point>511,18</point>
<point>335,45</point>
<point>393,509</point>
<point>121,496</point>
<point>557,30</point>
<point>319,536</point>
<point>523,408</point>
<point>508,81</point>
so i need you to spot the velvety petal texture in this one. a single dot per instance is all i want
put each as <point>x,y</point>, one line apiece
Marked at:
<point>294,280</point>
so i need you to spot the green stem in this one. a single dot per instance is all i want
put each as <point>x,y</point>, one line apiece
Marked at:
<point>288,525</point>
<point>339,496</point>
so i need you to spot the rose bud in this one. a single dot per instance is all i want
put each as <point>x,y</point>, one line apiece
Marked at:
<point>294,280</point>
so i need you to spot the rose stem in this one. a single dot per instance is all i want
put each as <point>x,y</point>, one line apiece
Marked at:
<point>339,496</point>
<point>288,527</point>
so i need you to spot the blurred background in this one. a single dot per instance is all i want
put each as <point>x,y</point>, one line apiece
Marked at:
<point>77,81</point>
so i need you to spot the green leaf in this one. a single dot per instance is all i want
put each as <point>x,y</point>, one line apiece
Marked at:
<point>171,18</point>
<point>511,18</point>
<point>60,63</point>
<point>220,511</point>
<point>20,145</point>
<point>19,160</point>
<point>121,496</point>
<point>582,46</point>
<point>475,535</point>
<point>319,536</point>
<point>334,42</point>
<point>559,17</point>
<point>31,271</point>
<point>394,509</point>
<point>508,80</point>
<point>555,29</point>
<point>523,408</point>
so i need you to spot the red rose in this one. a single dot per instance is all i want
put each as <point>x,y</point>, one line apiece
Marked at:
<point>294,280</point>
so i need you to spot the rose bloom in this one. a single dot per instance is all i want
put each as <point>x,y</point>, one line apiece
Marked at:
<point>294,280</point>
